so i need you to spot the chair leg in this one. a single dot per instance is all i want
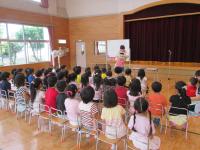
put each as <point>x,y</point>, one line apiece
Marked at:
<point>97,142</point>
<point>38,123</point>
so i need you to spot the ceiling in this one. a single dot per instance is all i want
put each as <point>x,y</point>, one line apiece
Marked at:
<point>76,8</point>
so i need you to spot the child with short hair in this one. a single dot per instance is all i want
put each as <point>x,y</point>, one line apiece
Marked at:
<point>60,98</point>
<point>97,88</point>
<point>72,79</point>
<point>192,87</point>
<point>30,76</point>
<point>157,101</point>
<point>61,76</point>
<point>121,91</point>
<point>37,95</point>
<point>118,71</point>
<point>51,93</point>
<point>134,93</point>
<point>72,104</point>
<point>77,71</point>
<point>128,76</point>
<point>109,82</point>
<point>22,94</point>
<point>113,115</point>
<point>84,81</point>
<point>5,84</point>
<point>142,127</point>
<point>88,108</point>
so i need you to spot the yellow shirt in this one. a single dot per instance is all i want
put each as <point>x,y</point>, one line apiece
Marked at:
<point>78,79</point>
<point>103,75</point>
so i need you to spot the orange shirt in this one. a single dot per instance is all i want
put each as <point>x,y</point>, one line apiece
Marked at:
<point>155,102</point>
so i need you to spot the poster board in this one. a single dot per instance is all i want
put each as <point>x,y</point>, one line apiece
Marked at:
<point>113,47</point>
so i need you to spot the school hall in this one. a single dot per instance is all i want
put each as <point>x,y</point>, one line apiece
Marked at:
<point>99,74</point>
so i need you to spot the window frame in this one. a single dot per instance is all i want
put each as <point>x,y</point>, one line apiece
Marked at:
<point>25,41</point>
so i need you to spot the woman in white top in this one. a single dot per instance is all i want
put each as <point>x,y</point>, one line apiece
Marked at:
<point>37,96</point>
<point>143,81</point>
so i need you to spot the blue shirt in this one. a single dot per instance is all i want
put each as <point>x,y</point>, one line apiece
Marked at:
<point>30,78</point>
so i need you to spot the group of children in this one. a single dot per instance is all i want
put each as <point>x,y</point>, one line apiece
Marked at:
<point>78,94</point>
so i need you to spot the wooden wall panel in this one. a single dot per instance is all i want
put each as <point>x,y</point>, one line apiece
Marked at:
<point>60,30</point>
<point>90,29</point>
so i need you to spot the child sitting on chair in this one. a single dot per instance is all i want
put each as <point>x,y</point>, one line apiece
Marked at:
<point>113,115</point>
<point>88,109</point>
<point>128,76</point>
<point>143,80</point>
<point>72,104</point>
<point>37,95</point>
<point>157,101</point>
<point>178,102</point>
<point>60,98</point>
<point>142,127</point>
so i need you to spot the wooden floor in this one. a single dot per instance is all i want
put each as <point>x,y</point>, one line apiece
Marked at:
<point>19,135</point>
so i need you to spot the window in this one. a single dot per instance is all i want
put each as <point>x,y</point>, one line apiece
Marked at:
<point>23,44</point>
<point>39,1</point>
<point>100,47</point>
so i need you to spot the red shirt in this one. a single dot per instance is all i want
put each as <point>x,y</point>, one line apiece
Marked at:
<point>121,92</point>
<point>191,90</point>
<point>50,97</point>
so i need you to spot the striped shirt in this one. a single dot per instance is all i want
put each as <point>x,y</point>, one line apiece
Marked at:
<point>87,112</point>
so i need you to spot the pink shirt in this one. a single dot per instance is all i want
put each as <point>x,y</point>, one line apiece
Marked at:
<point>119,62</point>
<point>72,109</point>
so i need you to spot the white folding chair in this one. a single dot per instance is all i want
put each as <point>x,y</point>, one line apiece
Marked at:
<point>4,99</point>
<point>56,118</point>
<point>12,100</point>
<point>160,109</point>
<point>125,104</point>
<point>108,135</point>
<point>22,106</point>
<point>176,114</point>
<point>44,113</point>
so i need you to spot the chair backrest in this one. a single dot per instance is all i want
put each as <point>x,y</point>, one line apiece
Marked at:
<point>27,84</point>
<point>56,112</point>
<point>178,109</point>
<point>4,94</point>
<point>44,108</point>
<point>11,94</point>
<point>108,130</point>
<point>123,102</point>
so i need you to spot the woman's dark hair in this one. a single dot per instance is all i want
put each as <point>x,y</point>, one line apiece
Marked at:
<point>51,81</point>
<point>181,88</point>
<point>128,71</point>
<point>135,87</point>
<point>19,80</point>
<point>118,70</point>
<point>109,73</point>
<point>141,105</point>
<point>87,94</point>
<point>84,80</point>
<point>110,98</point>
<point>121,80</point>
<point>61,86</point>
<point>193,81</point>
<point>141,73</point>
<point>72,77</point>
<point>5,75</point>
<point>156,86</point>
<point>34,87</point>
<point>60,75</point>
<point>122,47</point>
<point>38,73</point>
<point>71,90</point>
<point>97,82</point>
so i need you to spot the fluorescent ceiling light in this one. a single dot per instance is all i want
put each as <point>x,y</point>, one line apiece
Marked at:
<point>39,1</point>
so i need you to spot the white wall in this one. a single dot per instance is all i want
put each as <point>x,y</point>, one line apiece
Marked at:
<point>81,8</point>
